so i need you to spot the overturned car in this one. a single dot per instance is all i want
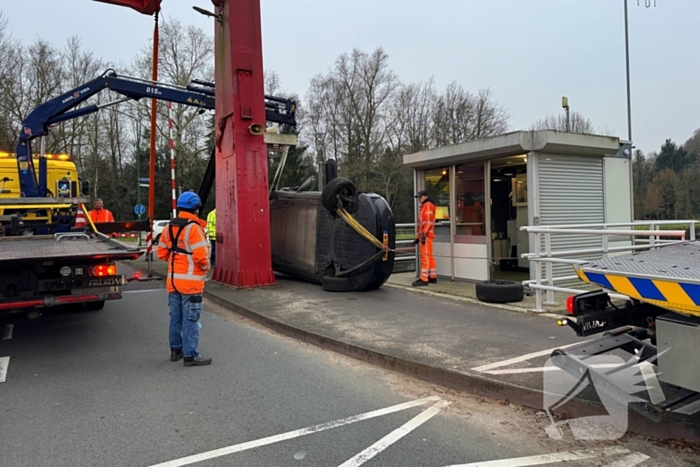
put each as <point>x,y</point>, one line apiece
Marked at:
<point>339,238</point>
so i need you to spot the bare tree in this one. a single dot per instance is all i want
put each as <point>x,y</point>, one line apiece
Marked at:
<point>349,112</point>
<point>414,109</point>
<point>462,116</point>
<point>186,53</point>
<point>579,124</point>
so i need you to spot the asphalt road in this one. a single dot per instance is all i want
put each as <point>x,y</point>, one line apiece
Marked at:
<point>98,389</point>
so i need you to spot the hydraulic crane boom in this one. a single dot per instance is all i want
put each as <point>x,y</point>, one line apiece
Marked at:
<point>59,109</point>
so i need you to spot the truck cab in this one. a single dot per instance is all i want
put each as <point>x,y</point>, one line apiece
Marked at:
<point>20,215</point>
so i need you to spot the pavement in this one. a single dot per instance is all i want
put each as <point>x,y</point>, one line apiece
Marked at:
<point>440,334</point>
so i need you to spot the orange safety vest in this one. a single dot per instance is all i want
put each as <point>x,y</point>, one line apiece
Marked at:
<point>426,220</point>
<point>102,215</point>
<point>474,214</point>
<point>188,260</point>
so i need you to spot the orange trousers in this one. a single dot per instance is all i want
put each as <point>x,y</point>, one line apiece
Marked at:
<point>427,261</point>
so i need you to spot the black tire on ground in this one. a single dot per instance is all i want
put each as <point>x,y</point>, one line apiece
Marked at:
<point>94,306</point>
<point>499,291</point>
<point>336,284</point>
<point>337,186</point>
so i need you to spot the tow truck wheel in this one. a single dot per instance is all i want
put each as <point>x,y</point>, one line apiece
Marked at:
<point>94,306</point>
<point>337,187</point>
<point>499,291</point>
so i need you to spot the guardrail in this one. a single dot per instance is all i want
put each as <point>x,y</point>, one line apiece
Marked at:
<point>545,255</point>
<point>405,257</point>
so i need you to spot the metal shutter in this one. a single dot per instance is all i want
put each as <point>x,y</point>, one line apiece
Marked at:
<point>571,192</point>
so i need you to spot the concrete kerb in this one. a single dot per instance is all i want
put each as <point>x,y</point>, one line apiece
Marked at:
<point>471,383</point>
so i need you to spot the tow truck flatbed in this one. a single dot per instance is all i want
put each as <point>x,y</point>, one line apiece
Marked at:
<point>668,277</point>
<point>68,246</point>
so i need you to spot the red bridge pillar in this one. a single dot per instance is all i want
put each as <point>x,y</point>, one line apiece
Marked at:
<point>243,252</point>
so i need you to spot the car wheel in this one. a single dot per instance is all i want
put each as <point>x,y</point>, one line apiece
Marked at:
<point>499,291</point>
<point>336,284</point>
<point>337,187</point>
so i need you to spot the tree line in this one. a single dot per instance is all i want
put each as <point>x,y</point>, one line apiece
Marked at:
<point>666,182</point>
<point>357,113</point>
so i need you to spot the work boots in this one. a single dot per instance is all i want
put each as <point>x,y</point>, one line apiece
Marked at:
<point>199,361</point>
<point>175,354</point>
<point>419,283</point>
<point>432,280</point>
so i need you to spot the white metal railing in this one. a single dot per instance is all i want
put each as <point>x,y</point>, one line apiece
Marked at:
<point>542,236</point>
<point>405,242</point>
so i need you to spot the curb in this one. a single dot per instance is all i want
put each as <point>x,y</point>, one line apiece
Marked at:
<point>469,382</point>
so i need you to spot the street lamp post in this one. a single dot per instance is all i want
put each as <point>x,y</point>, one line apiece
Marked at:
<point>627,59</point>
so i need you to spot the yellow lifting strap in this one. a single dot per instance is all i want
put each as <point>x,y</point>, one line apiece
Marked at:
<point>352,222</point>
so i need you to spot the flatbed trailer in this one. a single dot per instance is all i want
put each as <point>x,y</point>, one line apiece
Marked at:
<point>69,268</point>
<point>659,327</point>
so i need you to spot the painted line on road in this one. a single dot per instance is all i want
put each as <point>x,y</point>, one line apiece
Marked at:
<point>395,435</point>
<point>4,365</point>
<point>7,332</point>
<point>548,458</point>
<point>523,358</point>
<point>633,459</point>
<point>296,433</point>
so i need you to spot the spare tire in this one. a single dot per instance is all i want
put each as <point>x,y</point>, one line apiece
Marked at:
<point>337,187</point>
<point>499,291</point>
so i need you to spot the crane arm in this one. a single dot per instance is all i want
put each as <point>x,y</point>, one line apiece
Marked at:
<point>59,108</point>
<point>146,7</point>
<point>62,108</point>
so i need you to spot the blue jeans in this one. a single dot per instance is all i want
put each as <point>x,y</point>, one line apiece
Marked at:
<point>184,322</point>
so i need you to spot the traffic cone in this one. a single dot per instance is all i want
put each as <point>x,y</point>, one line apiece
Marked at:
<point>80,222</point>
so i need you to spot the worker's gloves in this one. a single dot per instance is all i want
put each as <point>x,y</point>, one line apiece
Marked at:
<point>422,240</point>
<point>415,241</point>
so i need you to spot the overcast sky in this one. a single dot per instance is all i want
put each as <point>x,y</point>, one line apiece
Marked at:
<point>529,52</point>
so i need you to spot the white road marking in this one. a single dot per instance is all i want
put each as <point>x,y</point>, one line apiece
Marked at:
<point>7,333</point>
<point>630,461</point>
<point>515,371</point>
<point>295,434</point>
<point>522,358</point>
<point>4,365</point>
<point>548,458</point>
<point>690,409</point>
<point>395,435</point>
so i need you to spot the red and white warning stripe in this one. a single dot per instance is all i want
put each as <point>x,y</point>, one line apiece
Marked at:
<point>172,158</point>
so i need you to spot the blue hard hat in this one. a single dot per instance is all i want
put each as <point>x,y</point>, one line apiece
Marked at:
<point>189,200</point>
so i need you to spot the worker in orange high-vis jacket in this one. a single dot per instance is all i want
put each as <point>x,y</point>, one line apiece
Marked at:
<point>184,245</point>
<point>425,234</point>
<point>99,213</point>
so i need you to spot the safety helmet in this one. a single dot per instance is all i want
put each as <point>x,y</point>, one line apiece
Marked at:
<point>189,200</point>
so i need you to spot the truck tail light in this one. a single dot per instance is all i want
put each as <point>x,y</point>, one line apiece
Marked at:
<point>102,270</point>
<point>570,305</point>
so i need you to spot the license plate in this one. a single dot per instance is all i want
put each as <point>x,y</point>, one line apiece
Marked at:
<point>105,282</point>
